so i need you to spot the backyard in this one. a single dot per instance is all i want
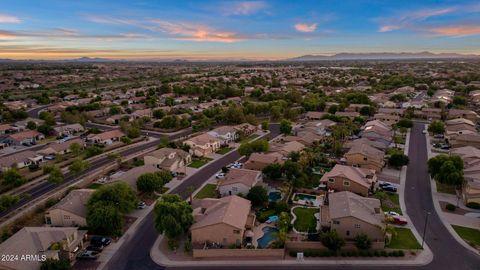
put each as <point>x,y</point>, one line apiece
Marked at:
<point>208,191</point>
<point>471,236</point>
<point>403,239</point>
<point>306,220</point>
<point>199,162</point>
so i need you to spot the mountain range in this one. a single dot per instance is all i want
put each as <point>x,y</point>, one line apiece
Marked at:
<point>384,56</point>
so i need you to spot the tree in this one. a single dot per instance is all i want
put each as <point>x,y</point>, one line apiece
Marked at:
<point>120,195</point>
<point>75,148</point>
<point>55,175</point>
<point>459,101</point>
<point>285,127</point>
<point>173,216</point>
<point>31,125</point>
<point>256,146</point>
<point>115,110</point>
<point>332,109</point>
<point>48,117</point>
<point>234,114</point>
<point>13,177</point>
<point>53,264</point>
<point>398,160</point>
<point>6,201</point>
<point>362,242</point>
<point>291,170</point>
<point>436,127</point>
<point>93,150</point>
<point>78,166</point>
<point>104,218</point>
<point>273,171</point>
<point>150,182</point>
<point>405,123</point>
<point>133,132</point>
<point>367,111</point>
<point>265,125</point>
<point>447,170</point>
<point>332,241</point>
<point>158,114</point>
<point>258,196</point>
<point>45,129</point>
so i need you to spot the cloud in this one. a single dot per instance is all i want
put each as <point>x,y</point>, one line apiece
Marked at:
<point>243,8</point>
<point>306,28</point>
<point>66,34</point>
<point>194,32</point>
<point>455,30</point>
<point>408,20</point>
<point>7,35</point>
<point>4,18</point>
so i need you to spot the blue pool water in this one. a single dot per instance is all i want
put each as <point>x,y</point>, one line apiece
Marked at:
<point>269,234</point>
<point>274,196</point>
<point>305,197</point>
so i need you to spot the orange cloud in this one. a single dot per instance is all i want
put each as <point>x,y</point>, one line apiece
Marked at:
<point>4,18</point>
<point>455,30</point>
<point>306,28</point>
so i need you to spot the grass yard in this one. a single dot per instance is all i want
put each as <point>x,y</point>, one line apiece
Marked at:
<point>249,138</point>
<point>94,186</point>
<point>199,162</point>
<point>224,150</point>
<point>443,188</point>
<point>391,203</point>
<point>305,220</point>
<point>403,239</point>
<point>264,214</point>
<point>208,191</point>
<point>471,236</point>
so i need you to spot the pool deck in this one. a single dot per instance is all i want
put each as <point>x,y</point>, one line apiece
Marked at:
<point>318,199</point>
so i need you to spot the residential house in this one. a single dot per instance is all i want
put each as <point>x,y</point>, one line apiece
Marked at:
<point>467,114</point>
<point>378,145</point>
<point>115,119</point>
<point>470,139</point>
<point>429,113</point>
<point>389,119</point>
<point>203,145</point>
<point>25,137</point>
<point>71,210</point>
<point>130,177</point>
<point>322,127</point>
<point>225,221</point>
<point>355,107</point>
<point>365,156</point>
<point>7,129</point>
<point>20,160</point>
<point>348,178</point>
<point>392,111</point>
<point>351,215</point>
<point>60,148</point>
<point>286,148</point>
<point>350,115</point>
<point>245,129</point>
<point>142,113</point>
<point>258,161</point>
<point>238,181</point>
<point>68,130</point>
<point>107,137</point>
<point>226,134</point>
<point>314,115</point>
<point>41,242</point>
<point>168,159</point>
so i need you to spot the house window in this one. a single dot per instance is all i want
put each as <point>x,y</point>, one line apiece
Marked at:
<point>331,180</point>
<point>346,183</point>
<point>336,222</point>
<point>357,226</point>
<point>365,158</point>
<point>348,233</point>
<point>66,217</point>
<point>234,189</point>
<point>236,231</point>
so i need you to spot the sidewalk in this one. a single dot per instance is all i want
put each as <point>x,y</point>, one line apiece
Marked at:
<point>446,218</point>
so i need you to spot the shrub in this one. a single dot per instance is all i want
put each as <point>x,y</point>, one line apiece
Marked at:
<point>362,241</point>
<point>473,205</point>
<point>383,253</point>
<point>292,253</point>
<point>450,207</point>
<point>172,244</point>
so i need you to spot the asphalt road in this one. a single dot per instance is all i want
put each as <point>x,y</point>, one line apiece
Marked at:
<point>448,253</point>
<point>135,252</point>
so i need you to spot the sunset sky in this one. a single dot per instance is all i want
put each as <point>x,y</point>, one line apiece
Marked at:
<point>121,29</point>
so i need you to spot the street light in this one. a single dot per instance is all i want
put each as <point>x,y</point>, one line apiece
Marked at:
<point>425,227</point>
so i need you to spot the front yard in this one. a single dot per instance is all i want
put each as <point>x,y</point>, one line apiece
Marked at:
<point>224,150</point>
<point>199,162</point>
<point>390,202</point>
<point>444,188</point>
<point>471,236</point>
<point>208,191</point>
<point>403,239</point>
<point>306,220</point>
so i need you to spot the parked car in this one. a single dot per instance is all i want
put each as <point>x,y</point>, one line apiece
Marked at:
<point>95,248</point>
<point>399,220</point>
<point>219,175</point>
<point>424,131</point>
<point>392,214</point>
<point>49,157</point>
<point>384,184</point>
<point>142,205</point>
<point>100,241</point>
<point>389,188</point>
<point>88,255</point>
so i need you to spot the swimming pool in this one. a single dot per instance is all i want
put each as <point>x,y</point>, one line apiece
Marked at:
<point>274,196</point>
<point>269,234</point>
<point>305,197</point>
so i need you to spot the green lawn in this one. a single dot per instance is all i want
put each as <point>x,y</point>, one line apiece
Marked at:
<point>471,236</point>
<point>94,185</point>
<point>392,203</point>
<point>305,220</point>
<point>403,239</point>
<point>208,191</point>
<point>264,214</point>
<point>444,188</point>
<point>248,139</point>
<point>224,150</point>
<point>199,162</point>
